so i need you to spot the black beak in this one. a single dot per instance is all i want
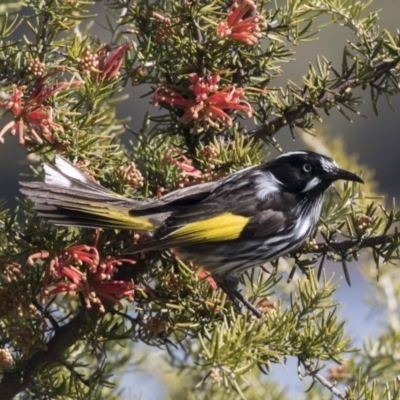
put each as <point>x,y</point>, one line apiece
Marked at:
<point>342,174</point>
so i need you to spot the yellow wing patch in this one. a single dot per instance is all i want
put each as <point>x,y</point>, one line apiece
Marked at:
<point>226,226</point>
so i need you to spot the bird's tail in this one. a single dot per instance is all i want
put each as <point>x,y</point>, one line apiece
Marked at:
<point>68,197</point>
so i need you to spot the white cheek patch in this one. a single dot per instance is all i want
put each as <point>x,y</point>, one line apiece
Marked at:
<point>311,184</point>
<point>266,184</point>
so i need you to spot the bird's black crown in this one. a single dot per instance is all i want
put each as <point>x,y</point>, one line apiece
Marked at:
<point>303,171</point>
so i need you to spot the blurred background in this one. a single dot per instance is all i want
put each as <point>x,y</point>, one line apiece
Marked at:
<point>375,139</point>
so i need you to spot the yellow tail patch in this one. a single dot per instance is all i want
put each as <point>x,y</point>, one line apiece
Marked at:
<point>124,221</point>
<point>226,226</point>
<point>136,223</point>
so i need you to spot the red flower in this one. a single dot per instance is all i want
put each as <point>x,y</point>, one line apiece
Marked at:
<point>209,105</point>
<point>208,278</point>
<point>164,27</point>
<point>109,63</point>
<point>185,165</point>
<point>248,30</point>
<point>190,175</point>
<point>32,120</point>
<point>79,270</point>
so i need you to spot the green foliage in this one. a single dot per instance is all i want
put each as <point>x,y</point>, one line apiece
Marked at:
<point>69,345</point>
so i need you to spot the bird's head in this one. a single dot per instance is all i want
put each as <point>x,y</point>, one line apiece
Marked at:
<point>305,171</point>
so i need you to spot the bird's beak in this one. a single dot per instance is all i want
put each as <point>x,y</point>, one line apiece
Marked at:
<point>342,174</point>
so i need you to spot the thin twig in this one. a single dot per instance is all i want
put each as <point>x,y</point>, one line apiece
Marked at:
<point>319,378</point>
<point>347,245</point>
<point>64,337</point>
<point>271,127</point>
<point>117,30</point>
<point>45,36</point>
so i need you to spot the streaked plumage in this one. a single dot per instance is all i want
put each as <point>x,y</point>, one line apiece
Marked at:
<point>244,220</point>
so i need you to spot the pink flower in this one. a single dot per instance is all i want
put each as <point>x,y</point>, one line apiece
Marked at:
<point>208,107</point>
<point>185,165</point>
<point>79,270</point>
<point>247,30</point>
<point>164,27</point>
<point>208,278</point>
<point>190,175</point>
<point>109,63</point>
<point>32,120</point>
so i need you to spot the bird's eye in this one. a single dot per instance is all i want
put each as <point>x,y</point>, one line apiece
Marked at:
<point>307,167</point>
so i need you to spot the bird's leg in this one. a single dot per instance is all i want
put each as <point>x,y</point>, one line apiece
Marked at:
<point>229,284</point>
<point>234,298</point>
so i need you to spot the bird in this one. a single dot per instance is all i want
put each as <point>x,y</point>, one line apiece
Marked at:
<point>241,221</point>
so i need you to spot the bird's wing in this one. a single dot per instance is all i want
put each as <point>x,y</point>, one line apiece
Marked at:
<point>240,217</point>
<point>222,227</point>
<point>187,195</point>
<point>225,226</point>
<point>197,194</point>
<point>267,224</point>
<point>68,197</point>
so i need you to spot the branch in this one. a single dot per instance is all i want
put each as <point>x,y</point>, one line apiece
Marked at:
<point>271,127</point>
<point>45,35</point>
<point>318,377</point>
<point>64,337</point>
<point>346,245</point>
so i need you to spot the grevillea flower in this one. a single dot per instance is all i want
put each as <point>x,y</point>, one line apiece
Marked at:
<point>80,270</point>
<point>17,302</point>
<point>190,175</point>
<point>243,30</point>
<point>131,175</point>
<point>103,65</point>
<point>32,119</point>
<point>6,360</point>
<point>164,27</point>
<point>208,278</point>
<point>207,109</point>
<point>182,162</point>
<point>109,62</point>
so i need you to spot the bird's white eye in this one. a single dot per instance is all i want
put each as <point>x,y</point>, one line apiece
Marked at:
<point>307,167</point>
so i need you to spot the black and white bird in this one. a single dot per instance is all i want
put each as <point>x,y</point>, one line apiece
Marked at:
<point>244,220</point>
